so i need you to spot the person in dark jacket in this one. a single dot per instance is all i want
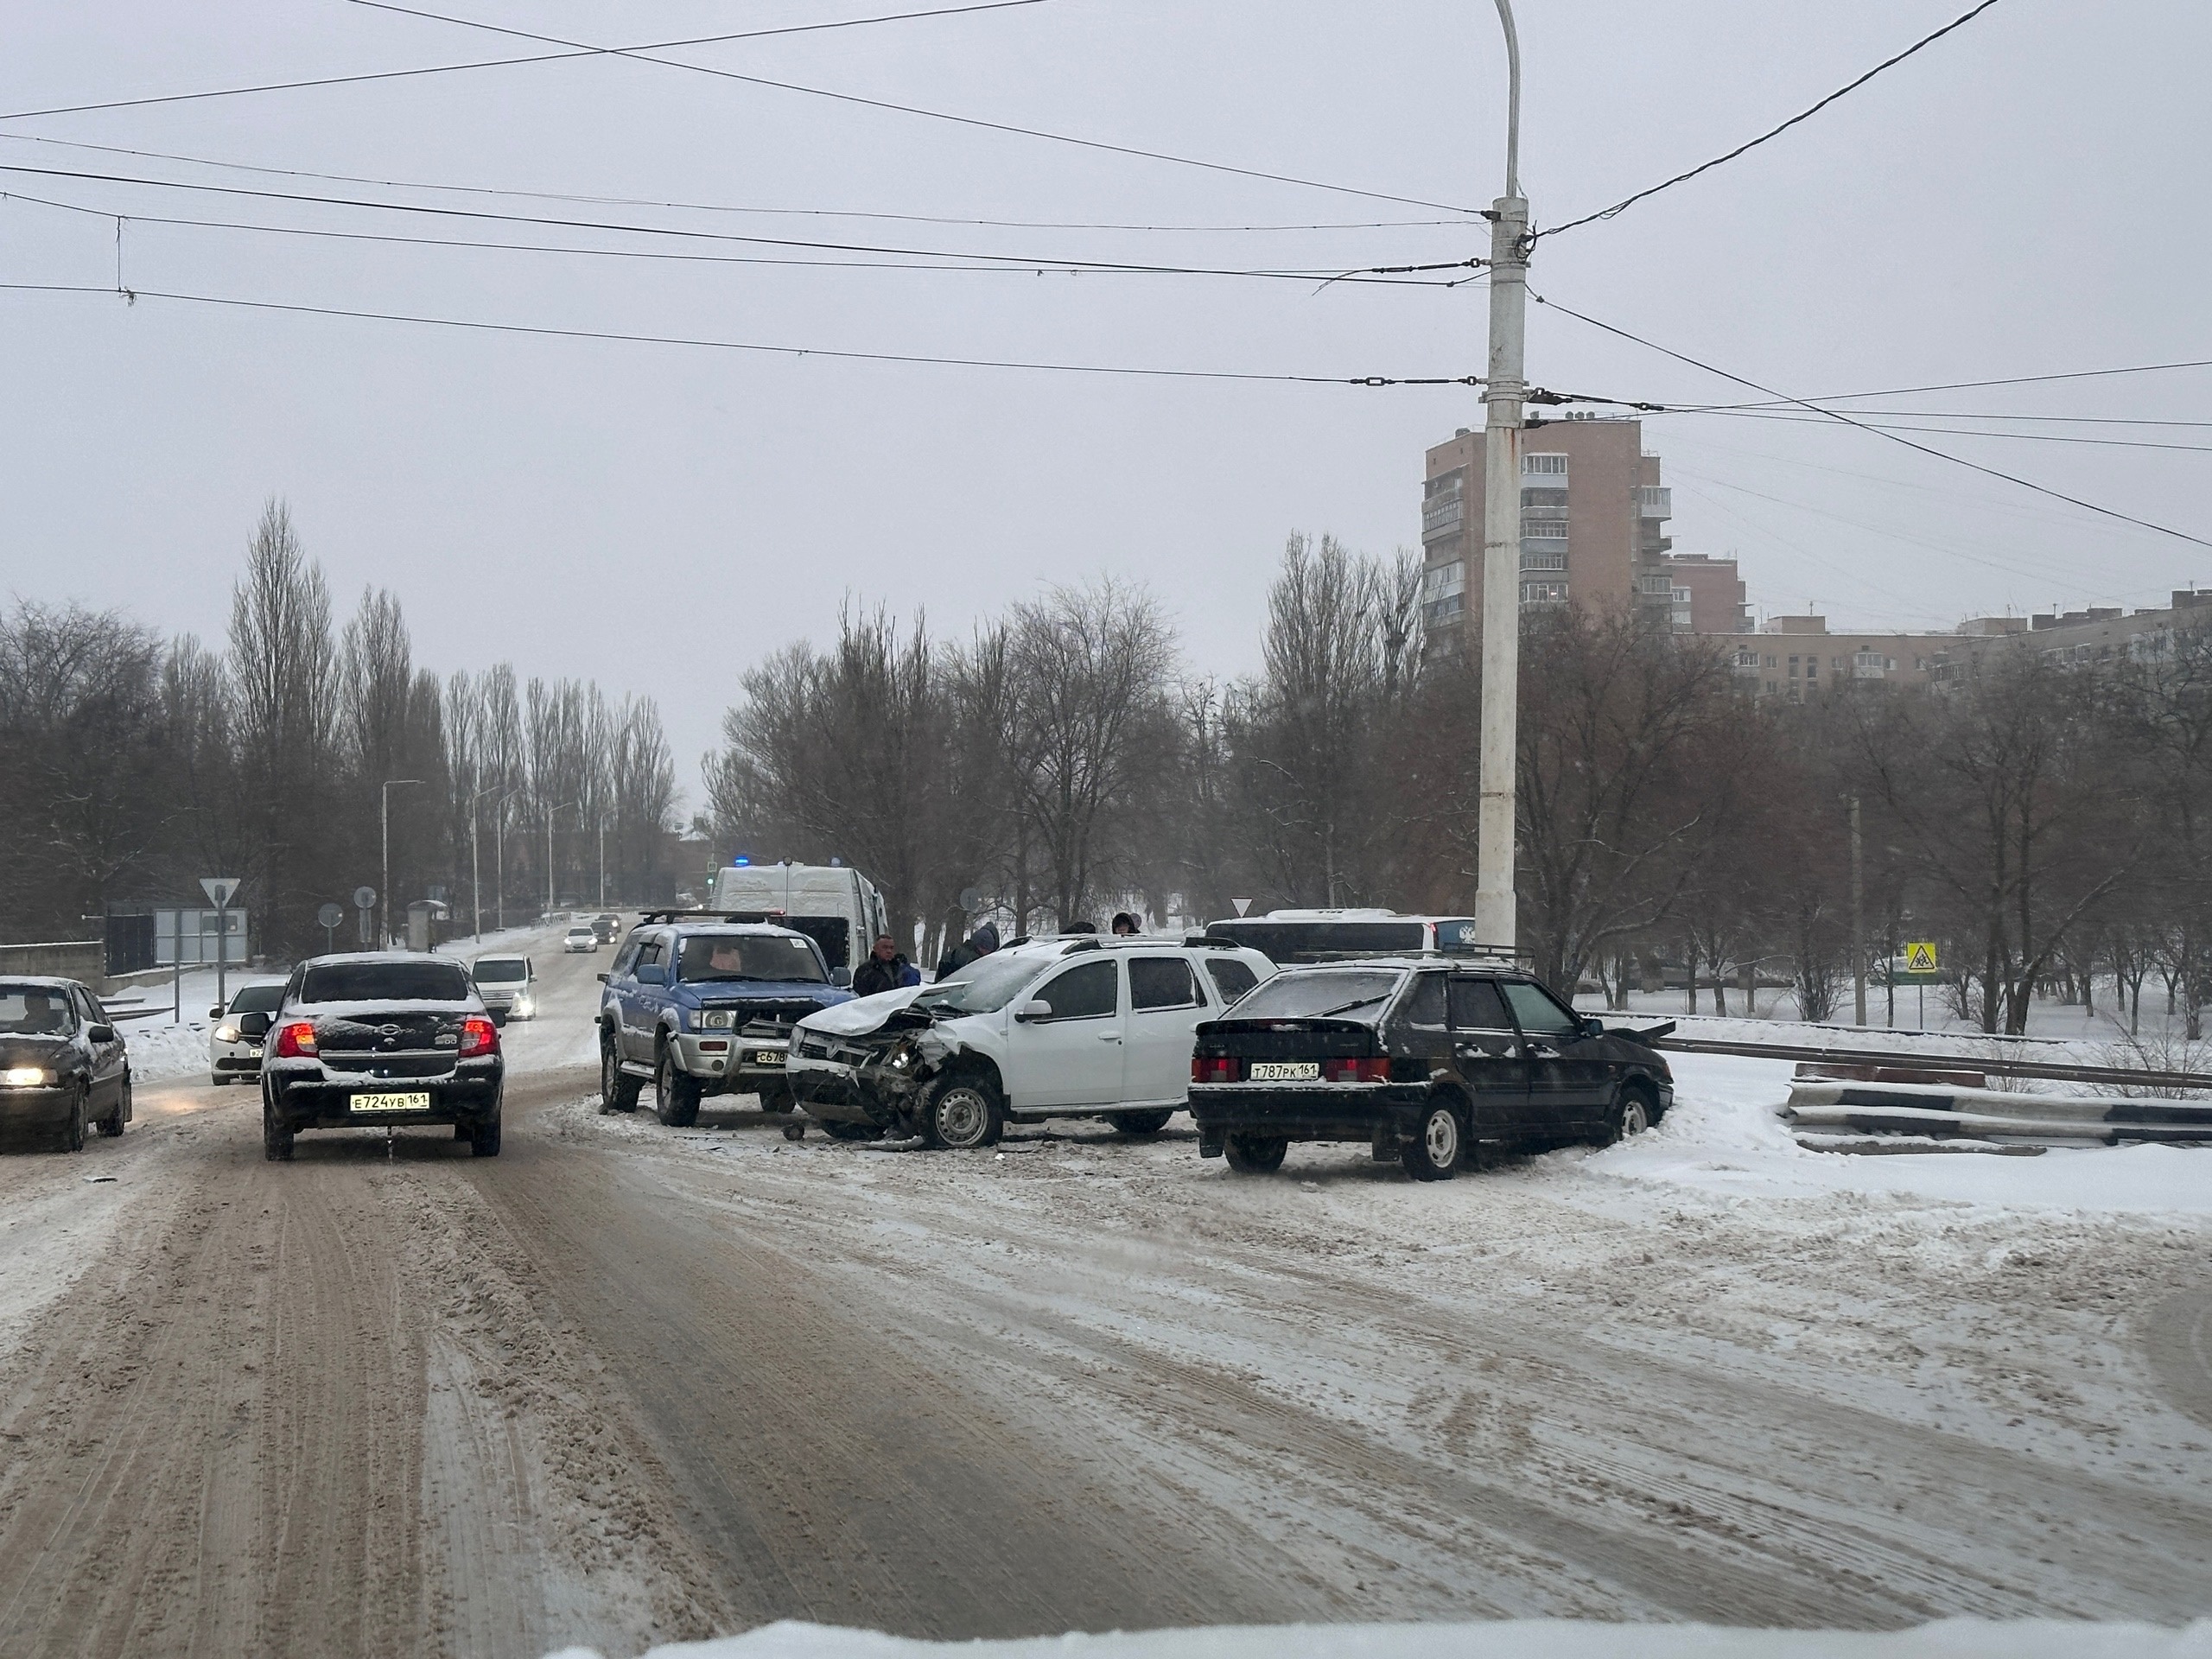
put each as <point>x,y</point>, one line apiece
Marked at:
<point>981,942</point>
<point>1125,925</point>
<point>883,970</point>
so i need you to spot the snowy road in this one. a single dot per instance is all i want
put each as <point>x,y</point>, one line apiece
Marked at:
<point>624,1383</point>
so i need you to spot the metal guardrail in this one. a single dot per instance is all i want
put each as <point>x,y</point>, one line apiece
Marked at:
<point>1822,1110</point>
<point>2115,1076</point>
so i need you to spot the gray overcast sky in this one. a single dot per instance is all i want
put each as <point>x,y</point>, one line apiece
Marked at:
<point>2027,195</point>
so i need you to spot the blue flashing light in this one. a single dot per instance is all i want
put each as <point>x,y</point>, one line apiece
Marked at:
<point>741,861</point>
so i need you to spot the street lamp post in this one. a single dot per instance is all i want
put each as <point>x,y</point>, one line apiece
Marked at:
<point>384,894</point>
<point>602,863</point>
<point>550,811</point>
<point>1495,921</point>
<point>475,881</point>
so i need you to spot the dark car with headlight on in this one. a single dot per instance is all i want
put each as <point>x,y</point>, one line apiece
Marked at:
<point>62,1063</point>
<point>381,1040</point>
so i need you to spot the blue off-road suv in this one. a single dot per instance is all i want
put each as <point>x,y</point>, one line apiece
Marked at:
<point>698,1005</point>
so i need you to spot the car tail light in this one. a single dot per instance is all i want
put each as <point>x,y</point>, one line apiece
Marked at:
<point>1376,1069</point>
<point>295,1041</point>
<point>1213,1068</point>
<point>478,1037</point>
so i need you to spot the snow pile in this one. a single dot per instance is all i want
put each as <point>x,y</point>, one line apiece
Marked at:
<point>159,1050</point>
<point>1725,1135</point>
<point>1544,1638</point>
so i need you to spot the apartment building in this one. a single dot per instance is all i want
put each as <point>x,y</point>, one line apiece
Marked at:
<point>1797,657</point>
<point>1594,517</point>
<point>1706,594</point>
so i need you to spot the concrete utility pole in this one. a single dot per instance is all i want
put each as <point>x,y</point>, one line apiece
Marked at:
<point>550,811</point>
<point>1857,920</point>
<point>1495,920</point>
<point>383,893</point>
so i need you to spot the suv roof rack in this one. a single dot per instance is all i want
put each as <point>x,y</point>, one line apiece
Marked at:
<point>652,917</point>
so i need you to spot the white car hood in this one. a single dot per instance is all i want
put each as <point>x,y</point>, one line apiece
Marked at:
<point>862,1014</point>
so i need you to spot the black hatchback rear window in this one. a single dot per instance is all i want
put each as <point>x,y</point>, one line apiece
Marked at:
<point>1338,993</point>
<point>386,981</point>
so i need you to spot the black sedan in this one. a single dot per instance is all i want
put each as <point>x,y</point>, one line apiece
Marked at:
<point>1434,1063</point>
<point>62,1062</point>
<point>378,1041</point>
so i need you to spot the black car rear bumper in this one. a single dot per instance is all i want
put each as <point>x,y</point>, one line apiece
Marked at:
<point>328,1104</point>
<point>1315,1111</point>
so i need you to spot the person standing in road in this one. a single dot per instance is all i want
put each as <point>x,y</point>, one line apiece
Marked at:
<point>883,970</point>
<point>1125,924</point>
<point>981,942</point>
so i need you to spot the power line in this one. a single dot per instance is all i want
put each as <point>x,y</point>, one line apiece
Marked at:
<point>1834,414</point>
<point>751,347</point>
<point>640,55</point>
<point>939,262</point>
<point>1803,115</point>
<point>1018,261</point>
<point>1951,415</point>
<point>1976,385</point>
<point>487,63</point>
<point>1952,431</point>
<point>726,207</point>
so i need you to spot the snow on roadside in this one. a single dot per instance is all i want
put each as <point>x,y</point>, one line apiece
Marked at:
<point>1725,1136</point>
<point>1549,1639</point>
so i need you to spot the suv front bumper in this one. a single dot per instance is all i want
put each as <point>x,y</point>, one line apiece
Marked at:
<point>729,1062</point>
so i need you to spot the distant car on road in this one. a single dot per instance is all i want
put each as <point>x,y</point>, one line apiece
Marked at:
<point>62,1062</point>
<point>579,938</point>
<point>606,925</point>
<point>504,982</point>
<point>1434,1062</point>
<point>234,1045</point>
<point>381,1038</point>
<point>1073,1027</point>
<point>704,1008</point>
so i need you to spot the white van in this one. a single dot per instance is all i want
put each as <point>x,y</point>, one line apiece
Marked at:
<point>834,904</point>
<point>1303,937</point>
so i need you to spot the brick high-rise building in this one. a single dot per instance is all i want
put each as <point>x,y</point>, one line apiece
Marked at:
<point>1594,517</point>
<point>1708,594</point>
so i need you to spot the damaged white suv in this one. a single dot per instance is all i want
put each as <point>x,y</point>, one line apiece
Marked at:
<point>1069,1026</point>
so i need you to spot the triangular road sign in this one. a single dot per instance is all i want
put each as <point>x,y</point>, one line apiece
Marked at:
<point>218,889</point>
<point>1920,957</point>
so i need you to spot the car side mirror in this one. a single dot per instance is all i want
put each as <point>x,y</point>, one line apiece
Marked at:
<point>100,1034</point>
<point>840,977</point>
<point>215,1012</point>
<point>602,978</point>
<point>1036,1008</point>
<point>1592,1026</point>
<point>253,1025</point>
<point>652,974</point>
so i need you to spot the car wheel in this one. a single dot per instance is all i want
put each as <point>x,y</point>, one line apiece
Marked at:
<point>73,1131</point>
<point>111,1125</point>
<point>217,1080</point>
<point>617,1092</point>
<point>962,1113</point>
<point>1254,1154</point>
<point>837,1131</point>
<point>676,1097</point>
<point>1631,1115</point>
<point>1140,1122</point>
<point>276,1136</point>
<point>484,1138</point>
<point>1438,1145</point>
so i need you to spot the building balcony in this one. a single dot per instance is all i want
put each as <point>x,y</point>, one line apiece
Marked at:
<point>1655,501</point>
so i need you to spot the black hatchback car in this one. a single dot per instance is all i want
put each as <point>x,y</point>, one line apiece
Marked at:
<point>381,1040</point>
<point>1435,1063</point>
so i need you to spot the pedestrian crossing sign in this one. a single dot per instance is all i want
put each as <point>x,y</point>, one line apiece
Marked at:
<point>1920,957</point>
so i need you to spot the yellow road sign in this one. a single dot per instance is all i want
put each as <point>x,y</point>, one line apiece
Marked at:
<point>1920,957</point>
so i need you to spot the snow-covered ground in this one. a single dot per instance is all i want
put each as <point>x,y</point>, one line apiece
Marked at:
<point>1506,1639</point>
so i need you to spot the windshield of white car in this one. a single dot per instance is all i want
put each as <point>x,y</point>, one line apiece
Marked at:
<point>1322,994</point>
<point>984,986</point>
<point>502,970</point>
<point>36,1011</point>
<point>774,957</point>
<point>258,999</point>
<point>386,981</point>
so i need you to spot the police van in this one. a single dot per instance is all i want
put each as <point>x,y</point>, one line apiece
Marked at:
<point>834,904</point>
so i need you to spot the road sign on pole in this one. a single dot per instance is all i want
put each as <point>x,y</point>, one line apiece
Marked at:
<point>1920,957</point>
<point>218,889</point>
<point>365,901</point>
<point>328,918</point>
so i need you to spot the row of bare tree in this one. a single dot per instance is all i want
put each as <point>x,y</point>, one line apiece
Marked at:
<point>2049,824</point>
<point>138,763</point>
